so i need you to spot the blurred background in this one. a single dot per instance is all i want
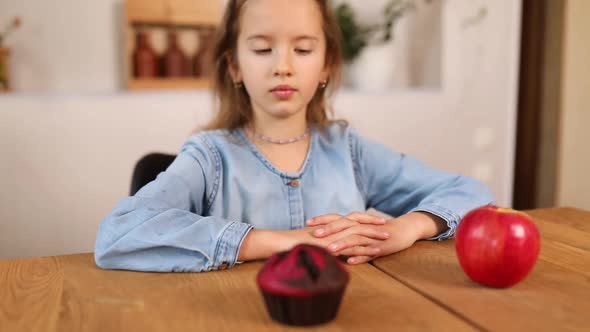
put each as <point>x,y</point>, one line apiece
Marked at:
<point>492,89</point>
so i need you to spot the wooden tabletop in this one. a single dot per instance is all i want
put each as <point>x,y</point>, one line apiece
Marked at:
<point>555,296</point>
<point>420,289</point>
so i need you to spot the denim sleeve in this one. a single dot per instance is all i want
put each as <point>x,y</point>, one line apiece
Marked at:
<point>398,184</point>
<point>162,228</point>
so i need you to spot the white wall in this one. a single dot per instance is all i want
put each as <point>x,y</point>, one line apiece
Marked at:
<point>67,157</point>
<point>64,46</point>
<point>67,160</point>
<point>573,177</point>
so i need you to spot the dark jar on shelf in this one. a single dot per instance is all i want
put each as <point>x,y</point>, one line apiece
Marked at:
<point>203,59</point>
<point>145,60</point>
<point>174,62</point>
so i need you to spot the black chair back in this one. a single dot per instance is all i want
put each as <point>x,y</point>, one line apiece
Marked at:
<point>147,169</point>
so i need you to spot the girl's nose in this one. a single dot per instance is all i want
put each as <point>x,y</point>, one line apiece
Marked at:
<point>283,66</point>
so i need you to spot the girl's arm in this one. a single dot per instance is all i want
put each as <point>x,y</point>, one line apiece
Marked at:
<point>161,228</point>
<point>398,184</point>
<point>402,231</point>
<point>261,243</point>
<point>360,232</point>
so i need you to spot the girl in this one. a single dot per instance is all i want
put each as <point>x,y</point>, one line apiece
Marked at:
<point>272,171</point>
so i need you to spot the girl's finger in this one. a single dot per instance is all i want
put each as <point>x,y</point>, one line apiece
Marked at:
<point>370,232</point>
<point>361,251</point>
<point>365,218</point>
<point>349,242</point>
<point>334,227</point>
<point>323,219</point>
<point>358,260</point>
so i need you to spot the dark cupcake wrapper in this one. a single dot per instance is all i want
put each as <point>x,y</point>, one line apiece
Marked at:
<point>304,311</point>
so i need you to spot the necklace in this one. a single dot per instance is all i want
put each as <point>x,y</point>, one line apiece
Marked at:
<point>278,141</point>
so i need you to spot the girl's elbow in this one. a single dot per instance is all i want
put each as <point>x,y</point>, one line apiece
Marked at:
<point>101,260</point>
<point>103,257</point>
<point>103,253</point>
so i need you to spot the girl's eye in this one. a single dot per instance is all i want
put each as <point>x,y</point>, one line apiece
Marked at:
<point>302,51</point>
<point>262,51</point>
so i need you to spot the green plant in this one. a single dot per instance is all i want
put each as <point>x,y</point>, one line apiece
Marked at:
<point>393,11</point>
<point>356,36</point>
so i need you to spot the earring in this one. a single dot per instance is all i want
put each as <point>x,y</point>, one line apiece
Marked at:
<point>238,85</point>
<point>323,84</point>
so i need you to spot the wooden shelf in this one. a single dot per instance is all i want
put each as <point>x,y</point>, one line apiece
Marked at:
<point>170,14</point>
<point>146,11</point>
<point>176,12</point>
<point>168,83</point>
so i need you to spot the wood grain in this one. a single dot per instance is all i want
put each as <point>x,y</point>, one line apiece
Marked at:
<point>565,234</point>
<point>69,293</point>
<point>575,218</point>
<point>566,225</point>
<point>555,296</point>
<point>38,285</point>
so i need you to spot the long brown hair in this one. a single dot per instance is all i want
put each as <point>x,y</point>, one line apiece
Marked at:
<point>235,109</point>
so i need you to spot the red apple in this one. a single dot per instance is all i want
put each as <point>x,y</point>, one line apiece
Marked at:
<point>497,247</point>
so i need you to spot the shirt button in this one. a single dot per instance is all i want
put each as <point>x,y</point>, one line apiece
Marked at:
<point>223,266</point>
<point>294,183</point>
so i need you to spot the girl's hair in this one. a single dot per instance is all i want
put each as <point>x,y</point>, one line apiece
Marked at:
<point>235,109</point>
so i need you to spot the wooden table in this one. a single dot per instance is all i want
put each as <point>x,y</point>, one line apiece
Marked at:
<point>422,288</point>
<point>555,296</point>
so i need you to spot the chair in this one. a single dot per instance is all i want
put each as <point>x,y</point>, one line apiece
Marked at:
<point>148,168</point>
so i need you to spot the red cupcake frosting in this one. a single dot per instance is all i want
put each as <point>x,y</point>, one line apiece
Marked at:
<point>304,270</point>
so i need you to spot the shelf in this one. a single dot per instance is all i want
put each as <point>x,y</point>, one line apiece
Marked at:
<point>168,83</point>
<point>148,11</point>
<point>173,12</point>
<point>169,15</point>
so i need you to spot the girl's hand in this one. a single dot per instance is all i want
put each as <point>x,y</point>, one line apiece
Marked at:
<point>357,233</point>
<point>403,235</point>
<point>364,237</point>
<point>334,223</point>
<point>405,231</point>
<point>349,241</point>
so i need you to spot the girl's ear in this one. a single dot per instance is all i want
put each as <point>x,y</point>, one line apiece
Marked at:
<point>325,74</point>
<point>234,69</point>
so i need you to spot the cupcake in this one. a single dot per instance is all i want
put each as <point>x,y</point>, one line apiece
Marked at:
<point>302,286</point>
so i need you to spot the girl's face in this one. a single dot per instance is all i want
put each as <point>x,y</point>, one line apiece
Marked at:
<point>281,55</point>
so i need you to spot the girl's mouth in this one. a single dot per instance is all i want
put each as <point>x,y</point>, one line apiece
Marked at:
<point>283,91</point>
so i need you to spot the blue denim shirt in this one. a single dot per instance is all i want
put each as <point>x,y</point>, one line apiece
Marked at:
<point>194,216</point>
